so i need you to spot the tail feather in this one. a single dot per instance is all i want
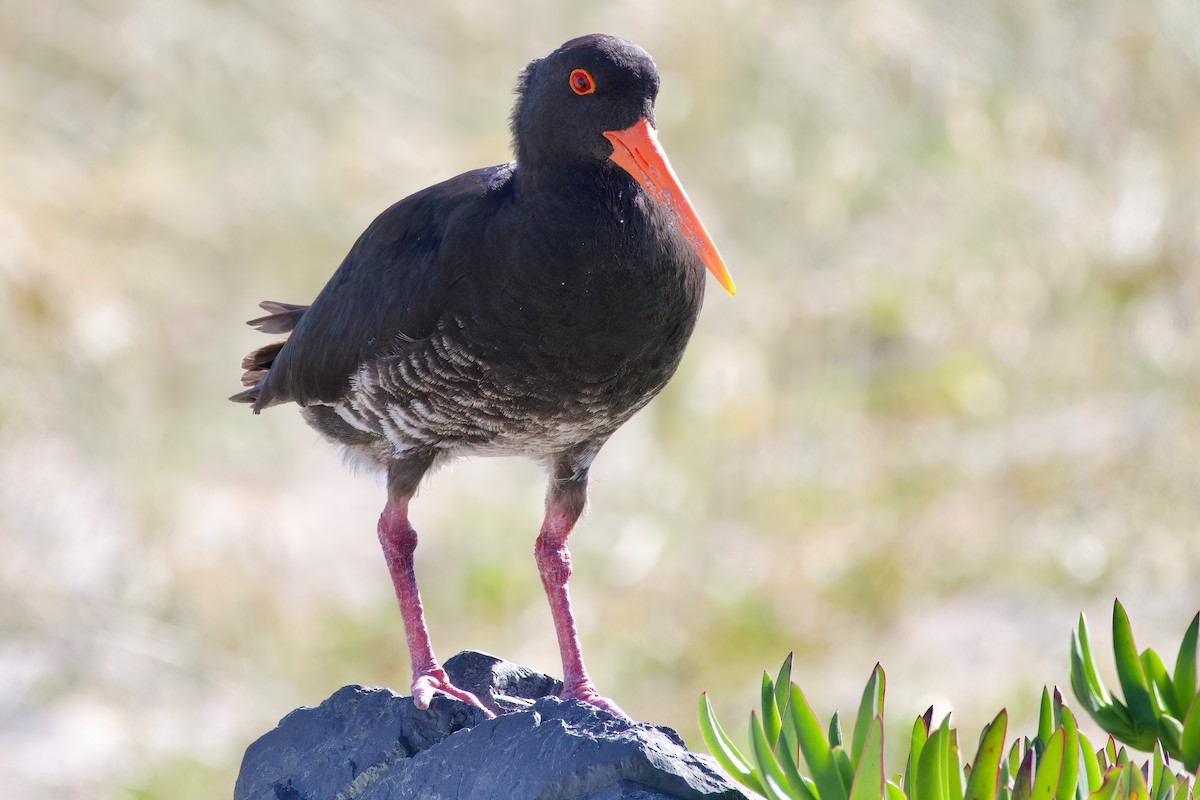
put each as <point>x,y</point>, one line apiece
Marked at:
<point>258,363</point>
<point>246,396</point>
<point>281,318</point>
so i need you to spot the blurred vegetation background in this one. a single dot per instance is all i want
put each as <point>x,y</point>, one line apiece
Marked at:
<point>954,402</point>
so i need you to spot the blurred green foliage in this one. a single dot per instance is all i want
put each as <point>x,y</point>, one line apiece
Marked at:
<point>954,401</point>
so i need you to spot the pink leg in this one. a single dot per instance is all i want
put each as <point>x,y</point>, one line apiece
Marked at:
<point>399,541</point>
<point>563,507</point>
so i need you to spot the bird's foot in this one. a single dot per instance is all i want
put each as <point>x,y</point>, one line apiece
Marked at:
<point>587,693</point>
<point>434,679</point>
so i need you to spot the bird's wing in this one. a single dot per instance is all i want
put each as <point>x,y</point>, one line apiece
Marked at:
<point>392,288</point>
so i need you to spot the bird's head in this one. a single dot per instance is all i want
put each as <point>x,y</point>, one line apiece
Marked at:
<point>591,102</point>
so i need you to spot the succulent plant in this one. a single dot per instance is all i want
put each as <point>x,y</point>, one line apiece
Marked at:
<point>793,757</point>
<point>1158,707</point>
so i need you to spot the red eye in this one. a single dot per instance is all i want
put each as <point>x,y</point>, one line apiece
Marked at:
<point>581,82</point>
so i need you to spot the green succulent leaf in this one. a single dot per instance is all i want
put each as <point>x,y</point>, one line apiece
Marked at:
<point>817,752</point>
<point>835,731</point>
<point>920,735</point>
<point>1045,717</point>
<point>1116,720</point>
<point>1049,769</point>
<point>723,749</point>
<point>773,779</point>
<point>869,707</point>
<point>1068,782</point>
<point>1023,781</point>
<point>1113,786</point>
<point>954,765</point>
<point>1170,733</point>
<point>985,769</point>
<point>1015,754</point>
<point>1004,784</point>
<point>939,774</point>
<point>1108,712</point>
<point>894,792</point>
<point>1059,704</point>
<point>1133,681</point>
<point>783,682</point>
<point>1091,771</point>
<point>802,787</point>
<point>788,739</point>
<point>1160,773</point>
<point>1136,784</point>
<point>845,768</point>
<point>770,711</point>
<point>868,776</point>
<point>1184,681</point>
<point>929,782</point>
<point>1085,678</point>
<point>1162,694</point>
<point>1189,740</point>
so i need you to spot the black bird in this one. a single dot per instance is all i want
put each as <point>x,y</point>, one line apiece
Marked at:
<point>527,309</point>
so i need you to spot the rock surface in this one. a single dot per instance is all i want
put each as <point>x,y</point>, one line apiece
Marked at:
<point>500,685</point>
<point>372,744</point>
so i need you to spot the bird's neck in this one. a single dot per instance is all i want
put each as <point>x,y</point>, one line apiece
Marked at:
<point>575,182</point>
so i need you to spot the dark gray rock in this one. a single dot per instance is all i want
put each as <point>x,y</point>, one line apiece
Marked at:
<point>371,744</point>
<point>345,743</point>
<point>500,685</point>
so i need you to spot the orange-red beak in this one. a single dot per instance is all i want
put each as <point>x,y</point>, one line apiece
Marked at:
<point>637,151</point>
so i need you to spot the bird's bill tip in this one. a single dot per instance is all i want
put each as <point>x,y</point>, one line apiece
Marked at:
<point>637,151</point>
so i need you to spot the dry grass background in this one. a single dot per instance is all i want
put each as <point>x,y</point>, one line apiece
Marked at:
<point>955,401</point>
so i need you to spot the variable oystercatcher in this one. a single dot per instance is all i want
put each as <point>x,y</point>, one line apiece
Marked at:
<point>524,309</point>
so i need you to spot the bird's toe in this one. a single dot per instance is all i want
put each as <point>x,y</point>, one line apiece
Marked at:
<point>435,680</point>
<point>587,693</point>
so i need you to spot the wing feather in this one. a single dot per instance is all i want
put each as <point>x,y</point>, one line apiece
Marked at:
<point>392,288</point>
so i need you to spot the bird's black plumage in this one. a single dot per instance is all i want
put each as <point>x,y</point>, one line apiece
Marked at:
<point>527,309</point>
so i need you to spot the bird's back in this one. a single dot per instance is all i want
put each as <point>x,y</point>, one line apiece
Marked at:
<point>390,289</point>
